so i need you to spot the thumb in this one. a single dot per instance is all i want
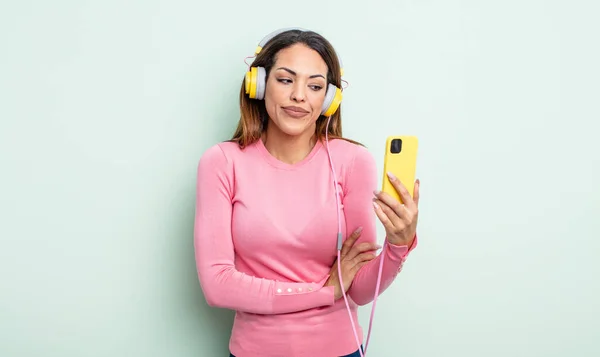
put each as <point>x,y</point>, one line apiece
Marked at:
<point>416,194</point>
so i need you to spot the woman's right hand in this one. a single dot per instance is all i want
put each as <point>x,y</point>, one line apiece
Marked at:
<point>352,258</point>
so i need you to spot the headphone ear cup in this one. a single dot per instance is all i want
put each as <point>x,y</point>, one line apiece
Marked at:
<point>261,83</point>
<point>250,83</point>
<point>333,99</point>
<point>255,82</point>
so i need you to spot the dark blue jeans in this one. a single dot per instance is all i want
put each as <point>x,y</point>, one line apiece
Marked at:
<point>355,354</point>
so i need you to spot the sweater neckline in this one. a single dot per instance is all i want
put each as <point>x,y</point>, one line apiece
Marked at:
<point>272,160</point>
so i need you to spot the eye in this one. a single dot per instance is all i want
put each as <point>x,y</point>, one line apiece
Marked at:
<point>284,80</point>
<point>316,88</point>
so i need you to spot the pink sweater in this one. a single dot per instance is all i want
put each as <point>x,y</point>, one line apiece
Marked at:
<point>265,240</point>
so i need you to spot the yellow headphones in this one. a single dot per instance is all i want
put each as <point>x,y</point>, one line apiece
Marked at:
<point>255,80</point>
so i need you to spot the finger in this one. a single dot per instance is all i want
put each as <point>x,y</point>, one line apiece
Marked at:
<point>396,206</point>
<point>404,214</point>
<point>402,191</point>
<point>350,241</point>
<point>364,257</point>
<point>395,215</point>
<point>357,267</point>
<point>361,248</point>
<point>416,195</point>
<point>387,224</point>
<point>397,223</point>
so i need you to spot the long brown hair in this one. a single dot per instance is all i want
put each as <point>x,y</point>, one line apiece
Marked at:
<point>254,118</point>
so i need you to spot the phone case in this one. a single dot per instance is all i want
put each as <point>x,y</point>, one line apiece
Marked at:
<point>401,160</point>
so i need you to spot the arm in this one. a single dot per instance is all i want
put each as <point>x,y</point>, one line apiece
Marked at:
<point>361,180</point>
<point>222,284</point>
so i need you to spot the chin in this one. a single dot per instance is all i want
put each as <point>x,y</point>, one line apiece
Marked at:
<point>293,129</point>
<point>294,126</point>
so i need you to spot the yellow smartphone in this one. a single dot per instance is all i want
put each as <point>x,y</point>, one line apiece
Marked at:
<point>401,160</point>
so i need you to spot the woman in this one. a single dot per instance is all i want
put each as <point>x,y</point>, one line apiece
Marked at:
<point>267,211</point>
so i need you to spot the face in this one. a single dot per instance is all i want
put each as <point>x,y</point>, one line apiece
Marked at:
<point>295,90</point>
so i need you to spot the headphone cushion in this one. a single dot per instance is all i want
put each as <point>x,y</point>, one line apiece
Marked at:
<point>261,82</point>
<point>329,97</point>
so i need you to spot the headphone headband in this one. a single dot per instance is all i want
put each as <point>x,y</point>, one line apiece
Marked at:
<point>268,38</point>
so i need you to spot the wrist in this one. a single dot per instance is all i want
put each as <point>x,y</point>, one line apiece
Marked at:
<point>400,242</point>
<point>397,242</point>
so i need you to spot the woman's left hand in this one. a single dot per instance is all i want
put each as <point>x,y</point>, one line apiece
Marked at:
<point>399,220</point>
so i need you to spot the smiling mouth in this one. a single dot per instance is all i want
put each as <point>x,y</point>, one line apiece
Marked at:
<point>295,112</point>
<point>295,109</point>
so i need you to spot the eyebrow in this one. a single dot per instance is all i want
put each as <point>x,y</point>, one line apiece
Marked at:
<point>294,73</point>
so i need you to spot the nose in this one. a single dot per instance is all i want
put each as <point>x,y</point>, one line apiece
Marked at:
<point>299,92</point>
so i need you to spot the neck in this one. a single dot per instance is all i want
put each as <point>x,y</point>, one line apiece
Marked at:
<point>286,148</point>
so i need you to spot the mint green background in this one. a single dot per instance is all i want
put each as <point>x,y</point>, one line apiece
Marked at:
<point>106,107</point>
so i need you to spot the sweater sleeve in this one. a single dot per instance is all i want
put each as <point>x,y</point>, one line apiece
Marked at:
<point>361,181</point>
<point>223,286</point>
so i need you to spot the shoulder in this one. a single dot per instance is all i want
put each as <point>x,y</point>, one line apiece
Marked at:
<point>219,156</point>
<point>353,156</point>
<point>220,153</point>
<point>215,167</point>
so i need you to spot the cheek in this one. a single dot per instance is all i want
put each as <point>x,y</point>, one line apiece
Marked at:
<point>271,109</point>
<point>271,102</point>
<point>316,101</point>
<point>273,97</point>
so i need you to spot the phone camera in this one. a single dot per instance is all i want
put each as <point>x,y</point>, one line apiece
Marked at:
<point>396,146</point>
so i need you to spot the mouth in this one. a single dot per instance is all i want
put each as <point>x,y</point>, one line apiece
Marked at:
<point>295,112</point>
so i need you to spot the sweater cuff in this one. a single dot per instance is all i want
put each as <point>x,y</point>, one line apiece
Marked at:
<point>399,253</point>
<point>295,296</point>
